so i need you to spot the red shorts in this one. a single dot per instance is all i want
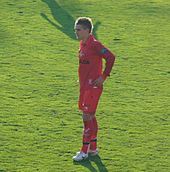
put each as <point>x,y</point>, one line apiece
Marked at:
<point>88,99</point>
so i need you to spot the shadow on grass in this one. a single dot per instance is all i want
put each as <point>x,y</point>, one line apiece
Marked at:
<point>97,160</point>
<point>65,22</point>
<point>64,19</point>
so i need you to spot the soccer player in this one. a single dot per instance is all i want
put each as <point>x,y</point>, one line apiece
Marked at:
<point>91,79</point>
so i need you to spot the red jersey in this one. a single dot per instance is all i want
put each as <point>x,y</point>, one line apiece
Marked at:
<point>90,62</point>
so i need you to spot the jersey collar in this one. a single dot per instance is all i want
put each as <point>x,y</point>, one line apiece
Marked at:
<point>89,40</point>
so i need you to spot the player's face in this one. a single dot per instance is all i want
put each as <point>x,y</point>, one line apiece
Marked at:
<point>80,32</point>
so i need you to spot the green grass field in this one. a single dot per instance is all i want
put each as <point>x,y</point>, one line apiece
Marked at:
<point>40,124</point>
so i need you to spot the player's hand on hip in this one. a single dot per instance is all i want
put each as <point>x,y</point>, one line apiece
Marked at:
<point>98,82</point>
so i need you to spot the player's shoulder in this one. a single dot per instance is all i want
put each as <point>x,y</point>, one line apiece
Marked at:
<point>96,43</point>
<point>99,47</point>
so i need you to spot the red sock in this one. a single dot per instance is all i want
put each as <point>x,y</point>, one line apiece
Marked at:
<point>93,142</point>
<point>86,135</point>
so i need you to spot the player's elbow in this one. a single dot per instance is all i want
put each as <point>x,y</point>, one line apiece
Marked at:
<point>111,57</point>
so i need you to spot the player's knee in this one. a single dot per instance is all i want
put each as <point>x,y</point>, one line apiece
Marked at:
<point>87,132</point>
<point>88,116</point>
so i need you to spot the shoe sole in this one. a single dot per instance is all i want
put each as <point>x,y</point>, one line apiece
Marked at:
<point>80,160</point>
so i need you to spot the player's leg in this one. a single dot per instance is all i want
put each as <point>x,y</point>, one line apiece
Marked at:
<point>87,133</point>
<point>88,102</point>
<point>96,93</point>
<point>93,142</point>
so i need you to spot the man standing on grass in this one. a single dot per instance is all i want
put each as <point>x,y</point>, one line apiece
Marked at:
<point>91,80</point>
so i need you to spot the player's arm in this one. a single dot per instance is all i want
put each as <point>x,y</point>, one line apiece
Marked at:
<point>110,59</point>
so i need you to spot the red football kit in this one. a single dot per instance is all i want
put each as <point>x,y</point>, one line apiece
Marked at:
<point>90,68</point>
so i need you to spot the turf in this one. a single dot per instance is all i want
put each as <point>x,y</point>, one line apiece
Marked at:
<point>40,124</point>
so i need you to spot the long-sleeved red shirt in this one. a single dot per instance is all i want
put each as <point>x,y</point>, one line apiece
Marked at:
<point>90,62</point>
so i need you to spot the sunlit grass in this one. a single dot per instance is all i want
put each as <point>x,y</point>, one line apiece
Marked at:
<point>41,126</point>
